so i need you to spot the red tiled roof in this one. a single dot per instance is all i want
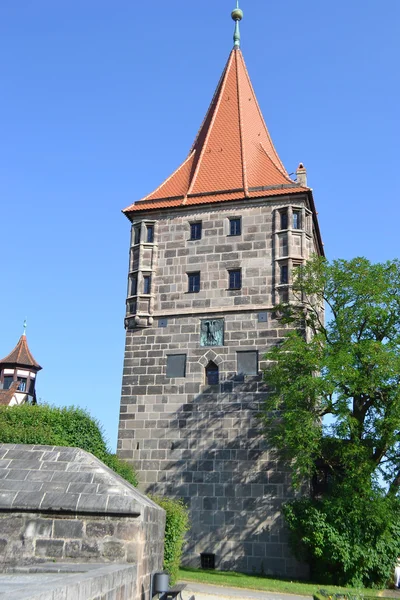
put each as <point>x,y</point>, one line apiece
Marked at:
<point>21,356</point>
<point>233,156</point>
<point>7,395</point>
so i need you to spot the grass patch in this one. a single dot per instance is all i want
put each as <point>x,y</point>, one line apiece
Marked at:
<point>265,583</point>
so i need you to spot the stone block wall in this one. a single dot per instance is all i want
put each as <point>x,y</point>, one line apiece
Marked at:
<point>64,505</point>
<point>205,443</point>
<point>188,439</point>
<point>80,581</point>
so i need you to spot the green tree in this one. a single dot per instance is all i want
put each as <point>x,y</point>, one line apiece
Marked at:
<point>333,413</point>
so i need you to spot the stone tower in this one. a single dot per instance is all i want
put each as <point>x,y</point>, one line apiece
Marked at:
<point>213,249</point>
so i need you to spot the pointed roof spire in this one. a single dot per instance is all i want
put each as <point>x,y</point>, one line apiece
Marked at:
<point>237,16</point>
<point>233,156</point>
<point>21,356</point>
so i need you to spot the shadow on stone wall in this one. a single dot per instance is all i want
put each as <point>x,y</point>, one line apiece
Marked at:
<point>214,456</point>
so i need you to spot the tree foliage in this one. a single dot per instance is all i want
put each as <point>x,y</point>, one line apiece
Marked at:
<point>52,426</point>
<point>334,413</point>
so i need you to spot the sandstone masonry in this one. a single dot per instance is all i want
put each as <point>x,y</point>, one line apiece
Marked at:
<point>190,436</point>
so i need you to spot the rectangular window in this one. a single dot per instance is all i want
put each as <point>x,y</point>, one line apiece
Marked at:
<point>8,379</point>
<point>136,235</point>
<point>22,384</point>
<point>176,365</point>
<point>193,282</point>
<point>31,387</point>
<point>235,279</point>
<point>296,219</point>
<point>146,284</point>
<point>150,234</point>
<point>195,231</point>
<point>133,290</point>
<point>235,226</point>
<point>247,363</point>
<point>284,274</point>
<point>284,219</point>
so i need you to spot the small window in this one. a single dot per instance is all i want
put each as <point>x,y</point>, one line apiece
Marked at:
<point>136,235</point>
<point>195,231</point>
<point>296,219</point>
<point>176,365</point>
<point>235,226</point>
<point>193,282</point>
<point>150,234</point>
<point>31,387</point>
<point>284,274</point>
<point>8,379</point>
<point>247,362</point>
<point>133,290</point>
<point>132,308</point>
<point>147,284</point>
<point>235,279</point>
<point>284,219</point>
<point>22,384</point>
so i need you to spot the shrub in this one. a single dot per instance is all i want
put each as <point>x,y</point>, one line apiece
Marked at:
<point>177,524</point>
<point>52,426</point>
<point>346,540</point>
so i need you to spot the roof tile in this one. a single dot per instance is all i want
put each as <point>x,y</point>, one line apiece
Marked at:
<point>21,356</point>
<point>232,154</point>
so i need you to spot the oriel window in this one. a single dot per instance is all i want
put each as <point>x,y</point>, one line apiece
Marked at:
<point>195,231</point>
<point>136,235</point>
<point>133,290</point>
<point>284,274</point>
<point>150,234</point>
<point>146,284</point>
<point>296,219</point>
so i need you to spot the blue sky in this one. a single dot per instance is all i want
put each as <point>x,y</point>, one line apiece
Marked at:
<point>101,101</point>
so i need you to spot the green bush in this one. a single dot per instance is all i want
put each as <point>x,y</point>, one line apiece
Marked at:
<point>53,426</point>
<point>177,524</point>
<point>346,540</point>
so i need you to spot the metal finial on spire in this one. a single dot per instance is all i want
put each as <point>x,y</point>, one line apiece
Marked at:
<point>25,324</point>
<point>237,16</point>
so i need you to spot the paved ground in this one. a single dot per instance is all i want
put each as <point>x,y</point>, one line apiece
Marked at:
<point>214,592</point>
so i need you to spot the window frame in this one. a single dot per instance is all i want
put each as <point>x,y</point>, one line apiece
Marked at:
<point>150,228</point>
<point>256,354</point>
<point>231,273</point>
<point>283,219</point>
<point>146,285</point>
<point>233,220</point>
<point>136,234</point>
<point>11,377</point>
<point>191,275</point>
<point>167,374</point>
<point>296,217</point>
<point>196,230</point>
<point>133,285</point>
<point>284,274</point>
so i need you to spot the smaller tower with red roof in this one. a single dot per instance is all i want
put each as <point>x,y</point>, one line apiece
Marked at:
<point>18,371</point>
